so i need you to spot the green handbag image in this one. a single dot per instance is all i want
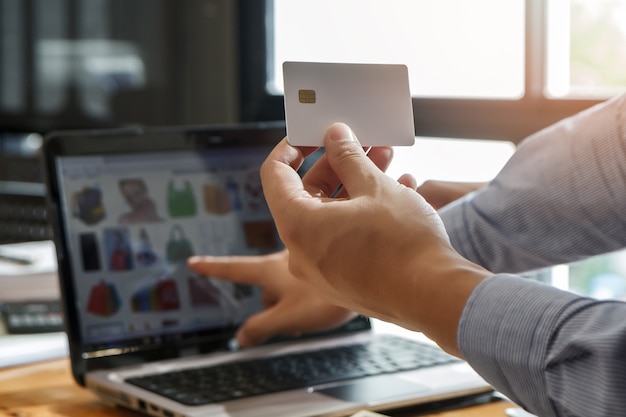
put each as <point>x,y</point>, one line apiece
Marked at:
<point>181,201</point>
<point>178,248</point>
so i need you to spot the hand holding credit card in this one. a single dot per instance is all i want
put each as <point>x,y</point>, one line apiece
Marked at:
<point>373,99</point>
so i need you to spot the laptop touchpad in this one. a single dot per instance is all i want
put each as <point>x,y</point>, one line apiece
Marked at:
<point>371,390</point>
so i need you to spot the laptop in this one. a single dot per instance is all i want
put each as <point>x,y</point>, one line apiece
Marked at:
<point>128,207</point>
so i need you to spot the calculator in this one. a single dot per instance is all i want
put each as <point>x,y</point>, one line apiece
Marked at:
<point>26,317</point>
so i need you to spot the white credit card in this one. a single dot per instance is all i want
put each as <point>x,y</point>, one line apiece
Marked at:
<point>373,99</point>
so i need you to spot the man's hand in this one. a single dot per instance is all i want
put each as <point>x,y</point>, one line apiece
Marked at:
<point>291,306</point>
<point>379,249</point>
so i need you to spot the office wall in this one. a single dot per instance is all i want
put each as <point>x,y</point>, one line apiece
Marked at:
<point>210,90</point>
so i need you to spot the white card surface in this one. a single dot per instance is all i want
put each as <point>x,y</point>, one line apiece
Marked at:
<point>373,99</point>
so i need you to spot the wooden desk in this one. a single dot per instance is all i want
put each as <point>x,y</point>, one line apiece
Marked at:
<point>46,389</point>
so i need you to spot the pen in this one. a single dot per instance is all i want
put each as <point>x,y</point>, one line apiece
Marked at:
<point>19,260</point>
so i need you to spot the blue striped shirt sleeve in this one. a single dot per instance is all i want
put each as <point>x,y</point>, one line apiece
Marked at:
<point>561,198</point>
<point>550,351</point>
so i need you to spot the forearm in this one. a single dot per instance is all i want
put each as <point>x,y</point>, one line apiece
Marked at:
<point>538,344</point>
<point>438,284</point>
<point>560,197</point>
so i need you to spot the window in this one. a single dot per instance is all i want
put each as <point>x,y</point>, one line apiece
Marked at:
<point>602,276</point>
<point>453,48</point>
<point>485,69</point>
<point>449,159</point>
<point>586,48</point>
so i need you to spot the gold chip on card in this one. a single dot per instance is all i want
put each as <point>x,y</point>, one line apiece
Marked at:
<point>306,96</point>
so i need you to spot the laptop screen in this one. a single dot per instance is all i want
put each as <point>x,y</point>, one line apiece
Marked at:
<point>131,220</point>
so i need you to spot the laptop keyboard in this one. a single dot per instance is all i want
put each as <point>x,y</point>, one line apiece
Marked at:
<point>235,380</point>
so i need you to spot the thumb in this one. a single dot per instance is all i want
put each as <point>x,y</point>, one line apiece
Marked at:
<point>348,160</point>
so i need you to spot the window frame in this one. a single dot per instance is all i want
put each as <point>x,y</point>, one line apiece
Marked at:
<point>497,119</point>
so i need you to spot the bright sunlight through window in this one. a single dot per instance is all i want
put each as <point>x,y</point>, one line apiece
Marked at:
<point>453,48</point>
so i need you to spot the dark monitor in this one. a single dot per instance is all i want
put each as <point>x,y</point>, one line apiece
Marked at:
<point>107,63</point>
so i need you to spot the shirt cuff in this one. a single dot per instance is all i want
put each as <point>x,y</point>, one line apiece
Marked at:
<point>504,334</point>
